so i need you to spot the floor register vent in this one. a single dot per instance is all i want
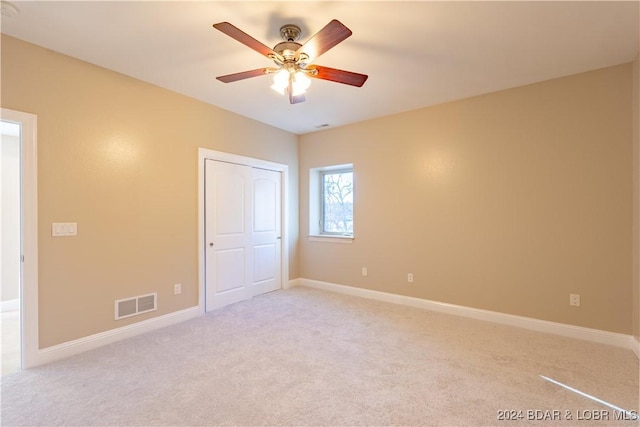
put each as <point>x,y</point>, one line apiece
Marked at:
<point>137,305</point>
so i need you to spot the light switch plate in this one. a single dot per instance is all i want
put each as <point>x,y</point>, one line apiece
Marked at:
<point>64,229</point>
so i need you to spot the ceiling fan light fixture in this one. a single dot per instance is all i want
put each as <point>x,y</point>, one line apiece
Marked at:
<point>300,83</point>
<point>281,81</point>
<point>298,80</point>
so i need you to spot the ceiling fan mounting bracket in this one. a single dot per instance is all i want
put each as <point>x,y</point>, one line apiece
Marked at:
<point>290,32</point>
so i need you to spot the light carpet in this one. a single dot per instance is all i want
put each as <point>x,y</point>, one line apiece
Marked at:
<point>309,357</point>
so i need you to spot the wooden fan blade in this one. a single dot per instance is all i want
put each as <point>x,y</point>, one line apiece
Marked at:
<point>243,75</point>
<point>338,76</point>
<point>332,34</point>
<point>244,38</point>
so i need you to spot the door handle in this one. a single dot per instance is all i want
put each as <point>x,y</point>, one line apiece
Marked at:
<point>211,244</point>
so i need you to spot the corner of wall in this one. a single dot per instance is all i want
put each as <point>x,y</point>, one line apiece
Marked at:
<point>636,196</point>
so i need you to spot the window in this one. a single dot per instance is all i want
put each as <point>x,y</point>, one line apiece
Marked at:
<point>337,202</point>
<point>331,201</point>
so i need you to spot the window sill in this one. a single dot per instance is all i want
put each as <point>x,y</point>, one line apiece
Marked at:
<point>330,239</point>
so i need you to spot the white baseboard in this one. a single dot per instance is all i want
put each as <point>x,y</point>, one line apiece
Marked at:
<point>293,283</point>
<point>635,346</point>
<point>571,331</point>
<point>10,305</point>
<point>70,348</point>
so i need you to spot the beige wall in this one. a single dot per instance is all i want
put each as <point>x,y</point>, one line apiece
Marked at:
<point>508,202</point>
<point>119,157</point>
<point>636,196</point>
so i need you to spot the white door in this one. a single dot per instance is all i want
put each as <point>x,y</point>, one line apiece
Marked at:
<point>228,233</point>
<point>266,238</point>
<point>242,232</point>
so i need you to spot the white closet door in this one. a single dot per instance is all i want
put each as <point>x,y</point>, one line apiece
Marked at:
<point>266,237</point>
<point>228,233</point>
<point>243,219</point>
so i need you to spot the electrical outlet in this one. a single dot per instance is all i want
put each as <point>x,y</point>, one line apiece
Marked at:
<point>574,300</point>
<point>177,289</point>
<point>59,229</point>
<point>364,271</point>
<point>410,277</point>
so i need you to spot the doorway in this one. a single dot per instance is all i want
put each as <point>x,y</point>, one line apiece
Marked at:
<point>10,245</point>
<point>18,241</point>
<point>243,250</point>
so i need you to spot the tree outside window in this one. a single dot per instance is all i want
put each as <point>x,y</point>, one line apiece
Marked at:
<point>337,201</point>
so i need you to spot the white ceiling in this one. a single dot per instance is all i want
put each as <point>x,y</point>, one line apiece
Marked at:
<point>416,53</point>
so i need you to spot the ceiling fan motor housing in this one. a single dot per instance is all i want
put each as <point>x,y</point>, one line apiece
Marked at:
<point>287,50</point>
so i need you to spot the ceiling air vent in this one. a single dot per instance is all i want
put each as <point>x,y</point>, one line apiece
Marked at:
<point>136,305</point>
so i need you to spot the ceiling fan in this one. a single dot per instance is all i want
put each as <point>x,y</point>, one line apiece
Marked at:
<point>293,60</point>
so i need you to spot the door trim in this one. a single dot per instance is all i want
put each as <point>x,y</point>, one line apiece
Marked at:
<point>29,346</point>
<point>207,154</point>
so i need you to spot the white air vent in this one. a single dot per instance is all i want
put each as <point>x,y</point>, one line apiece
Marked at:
<point>133,306</point>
